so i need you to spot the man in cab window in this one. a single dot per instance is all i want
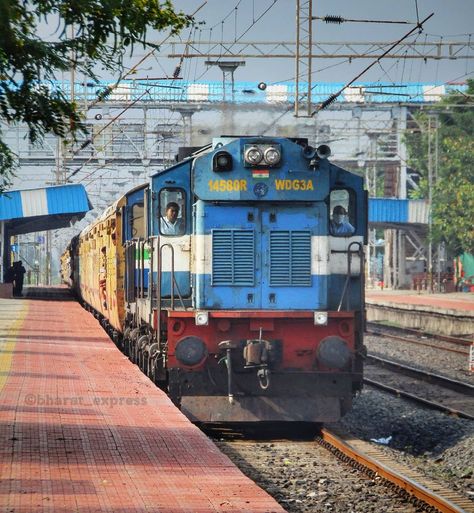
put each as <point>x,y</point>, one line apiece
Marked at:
<point>170,223</point>
<point>339,224</point>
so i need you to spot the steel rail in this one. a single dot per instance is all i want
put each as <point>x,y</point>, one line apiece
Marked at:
<point>430,377</point>
<point>460,342</point>
<point>425,402</point>
<point>407,485</point>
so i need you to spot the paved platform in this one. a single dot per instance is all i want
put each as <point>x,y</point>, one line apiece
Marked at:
<point>446,314</point>
<point>83,430</point>
<point>460,301</point>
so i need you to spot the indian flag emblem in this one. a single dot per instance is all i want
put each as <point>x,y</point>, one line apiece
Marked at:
<point>260,173</point>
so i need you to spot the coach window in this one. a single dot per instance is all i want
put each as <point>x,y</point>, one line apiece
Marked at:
<point>172,212</point>
<point>342,213</point>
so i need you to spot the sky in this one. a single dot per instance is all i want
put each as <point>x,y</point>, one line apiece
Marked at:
<point>453,20</point>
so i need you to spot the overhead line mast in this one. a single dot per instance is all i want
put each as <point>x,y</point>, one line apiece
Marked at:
<point>303,59</point>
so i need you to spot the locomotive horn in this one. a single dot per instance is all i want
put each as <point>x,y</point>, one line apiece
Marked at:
<point>323,151</point>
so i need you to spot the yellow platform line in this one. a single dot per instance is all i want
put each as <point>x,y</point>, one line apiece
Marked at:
<point>12,315</point>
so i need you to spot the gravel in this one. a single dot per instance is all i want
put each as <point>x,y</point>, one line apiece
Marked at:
<point>305,478</point>
<point>438,445</point>
<point>446,363</point>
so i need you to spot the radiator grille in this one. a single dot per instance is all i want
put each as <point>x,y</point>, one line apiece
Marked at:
<point>290,258</point>
<point>233,257</point>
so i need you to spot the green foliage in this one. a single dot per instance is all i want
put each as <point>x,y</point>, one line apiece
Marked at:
<point>453,187</point>
<point>88,33</point>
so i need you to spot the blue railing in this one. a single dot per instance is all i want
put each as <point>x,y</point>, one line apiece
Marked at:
<point>179,91</point>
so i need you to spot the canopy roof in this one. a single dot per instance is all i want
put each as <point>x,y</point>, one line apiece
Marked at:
<point>43,209</point>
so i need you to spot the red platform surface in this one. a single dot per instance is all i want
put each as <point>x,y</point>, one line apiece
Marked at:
<point>83,430</point>
<point>452,301</point>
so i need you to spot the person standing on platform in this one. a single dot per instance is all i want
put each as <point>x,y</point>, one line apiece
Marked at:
<point>18,276</point>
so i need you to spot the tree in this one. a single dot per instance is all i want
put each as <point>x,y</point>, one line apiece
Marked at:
<point>453,187</point>
<point>89,34</point>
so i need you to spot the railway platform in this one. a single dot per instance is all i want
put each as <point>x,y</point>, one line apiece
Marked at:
<point>83,430</point>
<point>446,314</point>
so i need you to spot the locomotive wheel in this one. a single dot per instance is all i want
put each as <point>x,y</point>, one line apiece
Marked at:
<point>145,361</point>
<point>134,336</point>
<point>142,349</point>
<point>125,345</point>
<point>151,368</point>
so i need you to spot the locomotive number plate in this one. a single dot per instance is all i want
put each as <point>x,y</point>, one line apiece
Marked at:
<point>227,185</point>
<point>294,185</point>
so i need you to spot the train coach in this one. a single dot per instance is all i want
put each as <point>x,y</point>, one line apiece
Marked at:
<point>235,280</point>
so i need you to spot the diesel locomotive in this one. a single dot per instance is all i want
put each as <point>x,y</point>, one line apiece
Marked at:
<point>235,280</point>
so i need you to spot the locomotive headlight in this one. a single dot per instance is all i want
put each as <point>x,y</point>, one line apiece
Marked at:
<point>190,351</point>
<point>222,161</point>
<point>272,156</point>
<point>333,352</point>
<point>321,318</point>
<point>253,155</point>
<point>201,318</point>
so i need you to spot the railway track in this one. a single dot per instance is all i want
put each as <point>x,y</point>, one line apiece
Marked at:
<point>416,489</point>
<point>302,478</point>
<point>418,337</point>
<point>452,396</point>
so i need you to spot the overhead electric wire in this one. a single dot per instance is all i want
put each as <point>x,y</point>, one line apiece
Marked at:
<point>241,36</point>
<point>334,96</point>
<point>340,19</point>
<point>89,141</point>
<point>110,89</point>
<point>133,69</point>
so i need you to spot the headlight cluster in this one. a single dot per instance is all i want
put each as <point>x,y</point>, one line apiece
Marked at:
<point>262,155</point>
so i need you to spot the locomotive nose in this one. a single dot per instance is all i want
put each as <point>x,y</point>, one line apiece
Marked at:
<point>334,353</point>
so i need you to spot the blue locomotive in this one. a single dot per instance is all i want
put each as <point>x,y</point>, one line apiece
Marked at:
<point>238,280</point>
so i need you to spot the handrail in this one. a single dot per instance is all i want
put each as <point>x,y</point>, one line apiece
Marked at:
<point>173,283</point>
<point>141,268</point>
<point>150,283</point>
<point>160,272</point>
<point>360,252</point>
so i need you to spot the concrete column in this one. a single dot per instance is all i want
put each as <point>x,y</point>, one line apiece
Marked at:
<point>387,262</point>
<point>402,274</point>
<point>401,113</point>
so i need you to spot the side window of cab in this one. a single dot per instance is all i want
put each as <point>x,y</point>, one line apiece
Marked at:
<point>137,221</point>
<point>172,209</point>
<point>342,210</point>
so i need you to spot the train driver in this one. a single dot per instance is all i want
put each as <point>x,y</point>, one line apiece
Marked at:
<point>170,223</point>
<point>339,224</point>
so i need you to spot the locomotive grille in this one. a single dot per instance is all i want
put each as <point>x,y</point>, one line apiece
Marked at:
<point>233,257</point>
<point>290,258</point>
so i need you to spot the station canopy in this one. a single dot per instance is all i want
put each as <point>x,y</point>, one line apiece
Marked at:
<point>398,213</point>
<point>36,210</point>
